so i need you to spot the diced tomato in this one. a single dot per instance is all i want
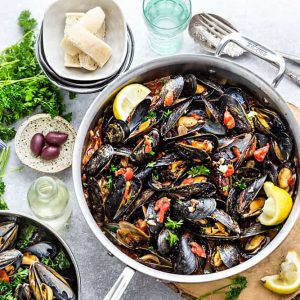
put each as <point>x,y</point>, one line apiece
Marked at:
<point>148,145</point>
<point>162,206</point>
<point>252,148</point>
<point>128,173</point>
<point>229,121</point>
<point>261,153</point>
<point>236,151</point>
<point>197,249</point>
<point>187,181</point>
<point>142,225</point>
<point>169,98</point>
<point>229,172</point>
<point>3,276</point>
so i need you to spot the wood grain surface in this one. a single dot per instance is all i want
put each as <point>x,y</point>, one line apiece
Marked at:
<point>269,266</point>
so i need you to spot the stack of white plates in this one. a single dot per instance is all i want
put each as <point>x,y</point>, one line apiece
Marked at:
<point>82,87</point>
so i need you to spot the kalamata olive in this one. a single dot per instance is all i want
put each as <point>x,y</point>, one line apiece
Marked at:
<point>37,143</point>
<point>50,152</point>
<point>56,138</point>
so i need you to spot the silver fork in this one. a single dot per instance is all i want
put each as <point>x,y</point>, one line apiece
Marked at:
<point>2,145</point>
<point>220,30</point>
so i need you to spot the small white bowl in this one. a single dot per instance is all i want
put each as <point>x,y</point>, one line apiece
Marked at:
<point>53,32</point>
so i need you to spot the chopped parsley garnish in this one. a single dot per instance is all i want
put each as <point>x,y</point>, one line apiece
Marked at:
<point>152,153</point>
<point>170,224</point>
<point>109,182</point>
<point>113,168</point>
<point>59,263</point>
<point>199,170</point>
<point>167,113</point>
<point>240,184</point>
<point>172,238</point>
<point>25,236</point>
<point>150,115</point>
<point>150,164</point>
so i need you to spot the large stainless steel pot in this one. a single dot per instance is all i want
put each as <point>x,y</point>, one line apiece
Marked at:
<point>179,65</point>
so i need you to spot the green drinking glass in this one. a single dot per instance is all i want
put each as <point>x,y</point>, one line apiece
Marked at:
<point>166,20</point>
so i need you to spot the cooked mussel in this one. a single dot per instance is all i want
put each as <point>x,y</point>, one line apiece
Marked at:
<point>23,292</point>
<point>255,243</point>
<point>145,149</point>
<point>43,249</point>
<point>231,105</point>
<point>47,284</point>
<point>225,256</point>
<point>95,199</point>
<point>138,114</point>
<point>99,160</point>
<point>123,194</point>
<point>8,234</point>
<point>10,260</point>
<point>116,132</point>
<point>152,259</point>
<point>249,194</point>
<point>282,147</point>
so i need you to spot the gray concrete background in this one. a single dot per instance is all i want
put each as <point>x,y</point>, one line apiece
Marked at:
<point>275,23</point>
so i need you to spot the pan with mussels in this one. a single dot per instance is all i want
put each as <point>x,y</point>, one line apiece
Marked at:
<point>34,262</point>
<point>198,178</point>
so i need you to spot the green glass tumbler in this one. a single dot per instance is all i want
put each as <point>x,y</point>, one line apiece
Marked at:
<point>166,20</point>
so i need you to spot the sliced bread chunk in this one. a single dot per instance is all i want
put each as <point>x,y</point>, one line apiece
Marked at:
<point>97,49</point>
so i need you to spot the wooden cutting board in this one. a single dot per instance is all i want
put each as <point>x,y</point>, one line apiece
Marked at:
<point>268,266</point>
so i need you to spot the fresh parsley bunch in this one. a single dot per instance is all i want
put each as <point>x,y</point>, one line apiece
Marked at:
<point>23,85</point>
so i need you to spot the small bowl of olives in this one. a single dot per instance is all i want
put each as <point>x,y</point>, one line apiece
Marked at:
<point>45,144</point>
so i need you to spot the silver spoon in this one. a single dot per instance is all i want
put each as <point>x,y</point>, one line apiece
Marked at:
<point>209,29</point>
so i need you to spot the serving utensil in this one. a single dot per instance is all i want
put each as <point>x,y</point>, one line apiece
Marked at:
<point>217,29</point>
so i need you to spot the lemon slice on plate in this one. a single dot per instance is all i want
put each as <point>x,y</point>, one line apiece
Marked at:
<point>288,279</point>
<point>128,98</point>
<point>277,207</point>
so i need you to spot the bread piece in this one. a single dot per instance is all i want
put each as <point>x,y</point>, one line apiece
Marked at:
<point>87,62</point>
<point>72,61</point>
<point>92,20</point>
<point>98,50</point>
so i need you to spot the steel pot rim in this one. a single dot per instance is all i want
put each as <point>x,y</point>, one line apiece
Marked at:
<point>76,168</point>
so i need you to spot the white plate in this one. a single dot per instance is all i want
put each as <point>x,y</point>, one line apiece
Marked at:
<point>53,32</point>
<point>43,123</point>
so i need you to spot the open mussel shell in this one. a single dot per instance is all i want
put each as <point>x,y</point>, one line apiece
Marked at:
<point>154,260</point>
<point>240,96</point>
<point>205,189</point>
<point>10,259</point>
<point>194,210</point>
<point>249,194</point>
<point>256,243</point>
<point>99,160</point>
<point>42,249</point>
<point>139,153</point>
<point>226,220</point>
<point>187,262</point>
<point>163,244</point>
<point>254,229</point>
<point>8,235</point>
<point>23,292</point>
<point>154,226</point>
<point>242,124</point>
<point>138,114</point>
<point>225,256</point>
<point>172,89</point>
<point>282,147</point>
<point>177,112</point>
<point>44,280</point>
<point>116,132</point>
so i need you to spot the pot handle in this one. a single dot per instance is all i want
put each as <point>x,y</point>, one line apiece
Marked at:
<point>256,49</point>
<point>120,285</point>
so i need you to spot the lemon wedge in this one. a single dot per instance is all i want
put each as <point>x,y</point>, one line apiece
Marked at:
<point>277,207</point>
<point>128,98</point>
<point>288,279</point>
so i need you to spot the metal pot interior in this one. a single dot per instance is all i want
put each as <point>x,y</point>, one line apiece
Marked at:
<point>181,64</point>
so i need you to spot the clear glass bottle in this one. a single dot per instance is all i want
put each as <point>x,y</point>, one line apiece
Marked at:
<point>48,198</point>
